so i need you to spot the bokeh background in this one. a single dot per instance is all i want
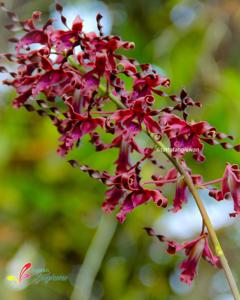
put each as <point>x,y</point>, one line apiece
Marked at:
<point>50,214</point>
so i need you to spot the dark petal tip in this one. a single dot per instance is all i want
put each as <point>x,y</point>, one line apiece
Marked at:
<point>237,148</point>
<point>73,163</point>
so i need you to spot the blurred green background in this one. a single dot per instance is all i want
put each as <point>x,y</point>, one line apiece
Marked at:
<point>49,212</point>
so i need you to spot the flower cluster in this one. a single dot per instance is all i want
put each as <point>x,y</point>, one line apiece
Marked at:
<point>75,77</point>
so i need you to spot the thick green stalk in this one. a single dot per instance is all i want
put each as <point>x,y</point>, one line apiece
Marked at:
<point>94,257</point>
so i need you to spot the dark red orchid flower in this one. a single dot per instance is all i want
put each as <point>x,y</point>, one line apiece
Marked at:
<point>138,113</point>
<point>230,188</point>
<point>185,137</point>
<point>181,194</point>
<point>128,186</point>
<point>194,250</point>
<point>65,40</point>
<point>231,185</point>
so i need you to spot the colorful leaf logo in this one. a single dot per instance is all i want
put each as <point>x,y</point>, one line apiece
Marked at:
<point>23,275</point>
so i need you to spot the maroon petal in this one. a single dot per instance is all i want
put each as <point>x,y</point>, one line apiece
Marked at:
<point>77,24</point>
<point>112,199</point>
<point>152,125</point>
<point>50,80</point>
<point>209,257</point>
<point>217,194</point>
<point>180,196</point>
<point>133,200</point>
<point>158,198</point>
<point>32,37</point>
<point>189,266</point>
<point>231,185</point>
<point>172,246</point>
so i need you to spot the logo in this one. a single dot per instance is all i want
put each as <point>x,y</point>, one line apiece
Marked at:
<point>22,275</point>
<point>35,276</point>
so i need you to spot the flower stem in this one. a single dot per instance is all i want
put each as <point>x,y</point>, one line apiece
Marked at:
<point>93,259</point>
<point>212,182</point>
<point>160,181</point>
<point>203,212</point>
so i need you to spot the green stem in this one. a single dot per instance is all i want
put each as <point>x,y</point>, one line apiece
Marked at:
<point>94,257</point>
<point>203,212</point>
